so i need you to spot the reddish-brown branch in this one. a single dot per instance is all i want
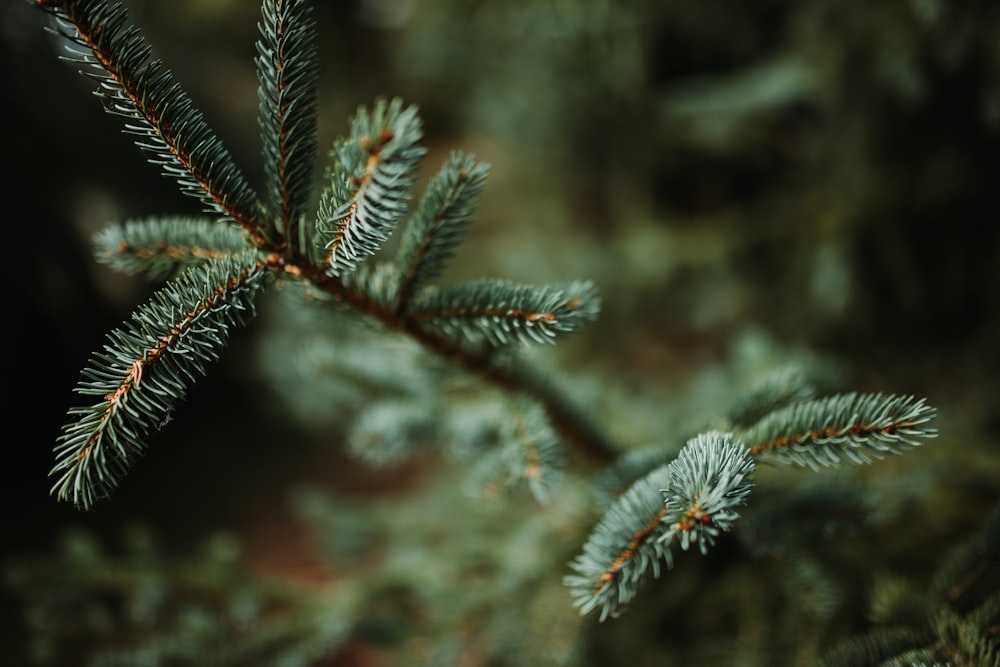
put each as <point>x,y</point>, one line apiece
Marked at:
<point>155,353</point>
<point>857,430</point>
<point>374,159</point>
<point>90,36</point>
<point>574,426</point>
<point>626,555</point>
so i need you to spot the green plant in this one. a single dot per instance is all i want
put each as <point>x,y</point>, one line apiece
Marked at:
<point>341,260</point>
<point>950,619</point>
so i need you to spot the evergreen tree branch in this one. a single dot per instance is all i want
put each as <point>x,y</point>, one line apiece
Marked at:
<point>163,246</point>
<point>709,478</point>
<point>846,427</point>
<point>575,426</point>
<point>169,128</point>
<point>287,72</point>
<point>146,369</point>
<point>691,499</point>
<point>439,223</point>
<point>623,549</point>
<point>503,313</point>
<point>370,183</point>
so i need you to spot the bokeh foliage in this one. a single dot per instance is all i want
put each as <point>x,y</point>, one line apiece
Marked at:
<point>748,184</point>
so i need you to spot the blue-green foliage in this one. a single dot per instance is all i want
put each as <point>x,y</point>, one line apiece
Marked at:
<point>370,183</point>
<point>161,247</point>
<point>393,406</point>
<point>146,369</point>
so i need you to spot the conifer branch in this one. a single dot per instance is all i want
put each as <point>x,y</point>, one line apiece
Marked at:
<point>574,425</point>
<point>691,499</point>
<point>151,361</point>
<point>503,313</point>
<point>287,72</point>
<point>855,428</point>
<point>439,223</point>
<point>623,549</point>
<point>708,479</point>
<point>163,246</point>
<point>370,183</point>
<point>147,367</point>
<point>168,126</point>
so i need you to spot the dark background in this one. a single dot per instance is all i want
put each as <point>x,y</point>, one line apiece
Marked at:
<point>814,178</point>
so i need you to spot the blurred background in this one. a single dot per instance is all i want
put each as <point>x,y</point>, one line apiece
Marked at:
<point>747,183</point>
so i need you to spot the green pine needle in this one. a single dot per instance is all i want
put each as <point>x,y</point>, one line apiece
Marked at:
<point>439,223</point>
<point>851,428</point>
<point>623,550</point>
<point>370,183</point>
<point>157,111</point>
<point>708,479</point>
<point>504,313</point>
<point>690,499</point>
<point>146,369</point>
<point>164,246</point>
<point>287,71</point>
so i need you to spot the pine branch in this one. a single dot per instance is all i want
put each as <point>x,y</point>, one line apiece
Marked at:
<point>287,72</point>
<point>370,183</point>
<point>855,428</point>
<point>439,223</point>
<point>708,479</point>
<point>503,313</point>
<point>575,426</point>
<point>168,126</point>
<point>161,247</point>
<point>147,368</point>
<point>623,549</point>
<point>691,499</point>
